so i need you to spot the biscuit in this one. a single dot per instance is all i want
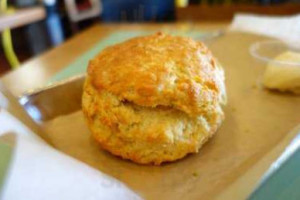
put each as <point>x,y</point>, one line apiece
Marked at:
<point>155,98</point>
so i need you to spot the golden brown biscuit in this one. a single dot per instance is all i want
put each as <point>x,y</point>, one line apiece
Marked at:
<point>154,99</point>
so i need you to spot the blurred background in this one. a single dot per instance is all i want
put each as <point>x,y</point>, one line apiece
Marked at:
<point>30,27</point>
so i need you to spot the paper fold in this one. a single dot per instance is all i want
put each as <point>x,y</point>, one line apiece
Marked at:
<point>285,28</point>
<point>38,171</point>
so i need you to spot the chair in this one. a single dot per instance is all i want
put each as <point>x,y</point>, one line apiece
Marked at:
<point>11,18</point>
<point>78,12</point>
<point>138,10</point>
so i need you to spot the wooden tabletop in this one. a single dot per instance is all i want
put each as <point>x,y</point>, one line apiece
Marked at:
<point>37,71</point>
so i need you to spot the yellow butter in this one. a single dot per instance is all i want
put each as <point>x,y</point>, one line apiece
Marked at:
<point>284,77</point>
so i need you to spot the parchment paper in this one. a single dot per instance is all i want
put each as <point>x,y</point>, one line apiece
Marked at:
<point>256,121</point>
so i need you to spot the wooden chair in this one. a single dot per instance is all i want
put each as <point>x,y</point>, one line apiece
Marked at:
<point>9,19</point>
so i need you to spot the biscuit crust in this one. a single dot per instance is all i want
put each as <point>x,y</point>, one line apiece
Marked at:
<point>160,70</point>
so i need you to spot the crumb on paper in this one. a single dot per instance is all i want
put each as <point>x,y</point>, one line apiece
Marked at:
<point>195,174</point>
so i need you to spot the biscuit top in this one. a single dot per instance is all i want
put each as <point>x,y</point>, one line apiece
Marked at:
<point>160,70</point>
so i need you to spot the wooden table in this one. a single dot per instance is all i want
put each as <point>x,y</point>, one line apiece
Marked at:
<point>37,71</point>
<point>256,124</point>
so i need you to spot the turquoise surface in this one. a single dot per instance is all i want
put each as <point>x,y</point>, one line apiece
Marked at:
<point>6,152</point>
<point>284,182</point>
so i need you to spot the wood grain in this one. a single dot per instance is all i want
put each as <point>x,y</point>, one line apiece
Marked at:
<point>226,12</point>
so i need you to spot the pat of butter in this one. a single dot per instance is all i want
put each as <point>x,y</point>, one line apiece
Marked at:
<point>284,77</point>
